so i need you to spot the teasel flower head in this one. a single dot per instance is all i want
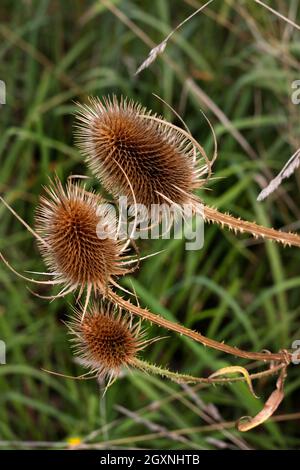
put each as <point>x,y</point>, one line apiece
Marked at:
<point>107,339</point>
<point>79,237</point>
<point>124,142</point>
<point>77,241</point>
<point>121,141</point>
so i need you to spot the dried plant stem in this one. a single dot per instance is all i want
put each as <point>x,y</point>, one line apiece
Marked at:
<point>213,215</point>
<point>284,18</point>
<point>282,357</point>
<point>159,49</point>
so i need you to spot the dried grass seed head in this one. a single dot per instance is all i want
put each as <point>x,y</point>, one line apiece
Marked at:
<point>122,138</point>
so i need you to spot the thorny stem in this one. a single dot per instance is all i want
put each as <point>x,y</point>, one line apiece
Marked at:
<point>185,378</point>
<point>282,357</point>
<point>174,376</point>
<point>213,215</point>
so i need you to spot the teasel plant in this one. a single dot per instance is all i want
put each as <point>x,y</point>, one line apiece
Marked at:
<point>67,222</point>
<point>130,148</point>
<point>122,141</point>
<point>108,341</point>
<point>78,242</point>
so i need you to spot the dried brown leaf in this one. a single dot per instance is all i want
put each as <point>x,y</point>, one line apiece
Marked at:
<point>234,370</point>
<point>271,405</point>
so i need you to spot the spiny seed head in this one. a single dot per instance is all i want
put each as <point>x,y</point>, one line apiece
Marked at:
<point>67,221</point>
<point>122,141</point>
<point>106,339</point>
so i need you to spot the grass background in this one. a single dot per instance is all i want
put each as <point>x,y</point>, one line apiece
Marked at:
<point>236,61</point>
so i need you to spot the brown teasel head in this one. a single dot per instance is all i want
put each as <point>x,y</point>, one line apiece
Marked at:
<point>121,141</point>
<point>68,224</point>
<point>106,339</point>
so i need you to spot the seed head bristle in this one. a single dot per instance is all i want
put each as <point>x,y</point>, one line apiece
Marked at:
<point>156,158</point>
<point>106,339</point>
<point>67,221</point>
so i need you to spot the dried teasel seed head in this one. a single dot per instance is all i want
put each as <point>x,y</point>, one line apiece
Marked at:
<point>68,224</point>
<point>106,339</point>
<point>122,141</point>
